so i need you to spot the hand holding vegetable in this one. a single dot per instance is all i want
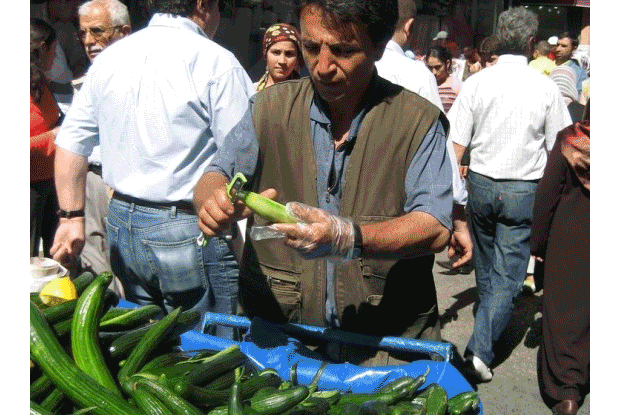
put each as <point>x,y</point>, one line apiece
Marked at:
<point>319,234</point>
<point>218,212</point>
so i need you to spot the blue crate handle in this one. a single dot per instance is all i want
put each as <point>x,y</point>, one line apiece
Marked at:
<point>396,344</point>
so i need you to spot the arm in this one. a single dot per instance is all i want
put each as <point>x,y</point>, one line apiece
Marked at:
<point>460,241</point>
<point>70,176</point>
<point>44,142</point>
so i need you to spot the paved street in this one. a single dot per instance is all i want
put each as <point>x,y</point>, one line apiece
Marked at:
<point>514,388</point>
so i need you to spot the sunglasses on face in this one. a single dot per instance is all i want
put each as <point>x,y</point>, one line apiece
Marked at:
<point>97,32</point>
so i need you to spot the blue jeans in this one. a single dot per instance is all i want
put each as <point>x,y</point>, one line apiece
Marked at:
<point>154,253</point>
<point>501,219</point>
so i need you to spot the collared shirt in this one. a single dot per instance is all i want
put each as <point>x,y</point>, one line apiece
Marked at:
<point>580,73</point>
<point>413,75</point>
<point>160,102</point>
<point>509,116</point>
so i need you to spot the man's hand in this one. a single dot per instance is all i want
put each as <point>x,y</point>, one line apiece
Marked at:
<point>218,212</point>
<point>460,240</point>
<point>321,234</point>
<point>68,241</point>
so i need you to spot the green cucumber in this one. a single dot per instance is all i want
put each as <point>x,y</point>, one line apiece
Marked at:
<point>235,406</point>
<point>83,390</point>
<point>166,359</point>
<point>147,344</point>
<point>267,209</point>
<point>463,403</point>
<point>280,401</point>
<point>36,409</point>
<point>374,408</point>
<point>212,367</point>
<point>145,400</point>
<point>216,397</point>
<point>84,333</point>
<point>437,400</point>
<point>174,402</point>
<point>41,386</point>
<point>132,318</point>
<point>53,400</point>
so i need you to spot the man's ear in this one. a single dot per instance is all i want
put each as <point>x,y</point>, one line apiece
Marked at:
<point>125,30</point>
<point>408,28</point>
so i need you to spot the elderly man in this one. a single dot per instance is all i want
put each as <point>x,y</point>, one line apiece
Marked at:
<point>159,102</point>
<point>328,131</point>
<point>508,115</point>
<point>101,23</point>
<point>396,67</point>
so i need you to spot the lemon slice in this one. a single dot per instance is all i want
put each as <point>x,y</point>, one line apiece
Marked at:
<point>58,291</point>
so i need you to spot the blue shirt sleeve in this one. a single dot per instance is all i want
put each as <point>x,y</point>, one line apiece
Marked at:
<point>428,182</point>
<point>239,151</point>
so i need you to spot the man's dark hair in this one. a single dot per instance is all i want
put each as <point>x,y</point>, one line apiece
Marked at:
<point>378,16</point>
<point>571,36</point>
<point>178,7</point>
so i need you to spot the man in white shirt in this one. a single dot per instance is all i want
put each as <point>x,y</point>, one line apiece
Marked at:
<point>101,23</point>
<point>159,102</point>
<point>413,75</point>
<point>508,115</point>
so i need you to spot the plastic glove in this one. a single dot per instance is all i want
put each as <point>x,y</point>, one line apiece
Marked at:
<point>319,234</point>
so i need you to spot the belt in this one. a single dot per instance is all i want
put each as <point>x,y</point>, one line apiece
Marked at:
<point>95,168</point>
<point>180,205</point>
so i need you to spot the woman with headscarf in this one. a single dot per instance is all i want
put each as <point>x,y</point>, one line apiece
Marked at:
<point>561,241</point>
<point>44,121</point>
<point>282,51</point>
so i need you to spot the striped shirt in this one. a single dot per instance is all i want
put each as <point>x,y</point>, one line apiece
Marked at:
<point>448,92</point>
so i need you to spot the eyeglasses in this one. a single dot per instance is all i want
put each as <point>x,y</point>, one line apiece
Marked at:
<point>97,32</point>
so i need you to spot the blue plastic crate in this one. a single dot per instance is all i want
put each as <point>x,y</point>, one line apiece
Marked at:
<point>343,377</point>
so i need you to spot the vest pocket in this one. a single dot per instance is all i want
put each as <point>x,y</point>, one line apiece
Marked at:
<point>288,295</point>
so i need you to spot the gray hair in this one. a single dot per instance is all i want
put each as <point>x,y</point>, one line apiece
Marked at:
<point>515,27</point>
<point>118,11</point>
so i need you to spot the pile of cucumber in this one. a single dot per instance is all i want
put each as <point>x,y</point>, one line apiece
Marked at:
<point>90,358</point>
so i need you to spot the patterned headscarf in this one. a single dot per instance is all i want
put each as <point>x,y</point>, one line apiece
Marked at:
<point>277,33</point>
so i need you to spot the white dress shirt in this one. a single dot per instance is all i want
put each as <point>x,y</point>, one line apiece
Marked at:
<point>397,68</point>
<point>159,102</point>
<point>509,116</point>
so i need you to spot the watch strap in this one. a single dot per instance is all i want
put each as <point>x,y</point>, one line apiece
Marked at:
<point>68,214</point>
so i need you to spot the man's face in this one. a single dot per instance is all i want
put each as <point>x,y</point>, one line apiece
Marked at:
<point>97,31</point>
<point>340,59</point>
<point>564,49</point>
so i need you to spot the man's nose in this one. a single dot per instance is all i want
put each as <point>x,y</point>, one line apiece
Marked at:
<point>88,39</point>
<point>325,63</point>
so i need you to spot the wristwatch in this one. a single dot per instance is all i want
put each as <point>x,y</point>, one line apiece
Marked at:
<point>68,214</point>
<point>357,241</point>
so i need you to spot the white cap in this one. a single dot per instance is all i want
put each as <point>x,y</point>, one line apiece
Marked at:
<point>441,35</point>
<point>553,40</point>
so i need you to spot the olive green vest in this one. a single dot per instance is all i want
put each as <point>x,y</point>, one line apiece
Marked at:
<point>277,283</point>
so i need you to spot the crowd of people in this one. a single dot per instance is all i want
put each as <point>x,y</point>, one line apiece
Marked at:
<point>384,156</point>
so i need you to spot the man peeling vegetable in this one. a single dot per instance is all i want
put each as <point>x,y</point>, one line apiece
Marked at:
<point>363,163</point>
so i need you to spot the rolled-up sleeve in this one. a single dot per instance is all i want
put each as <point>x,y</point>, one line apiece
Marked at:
<point>79,132</point>
<point>428,182</point>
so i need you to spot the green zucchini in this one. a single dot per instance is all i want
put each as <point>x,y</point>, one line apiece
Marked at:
<point>83,390</point>
<point>166,359</point>
<point>132,318</point>
<point>84,333</point>
<point>374,408</point>
<point>280,401</point>
<point>397,384</point>
<point>147,344</point>
<point>389,398</point>
<point>114,312</point>
<point>174,402</point>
